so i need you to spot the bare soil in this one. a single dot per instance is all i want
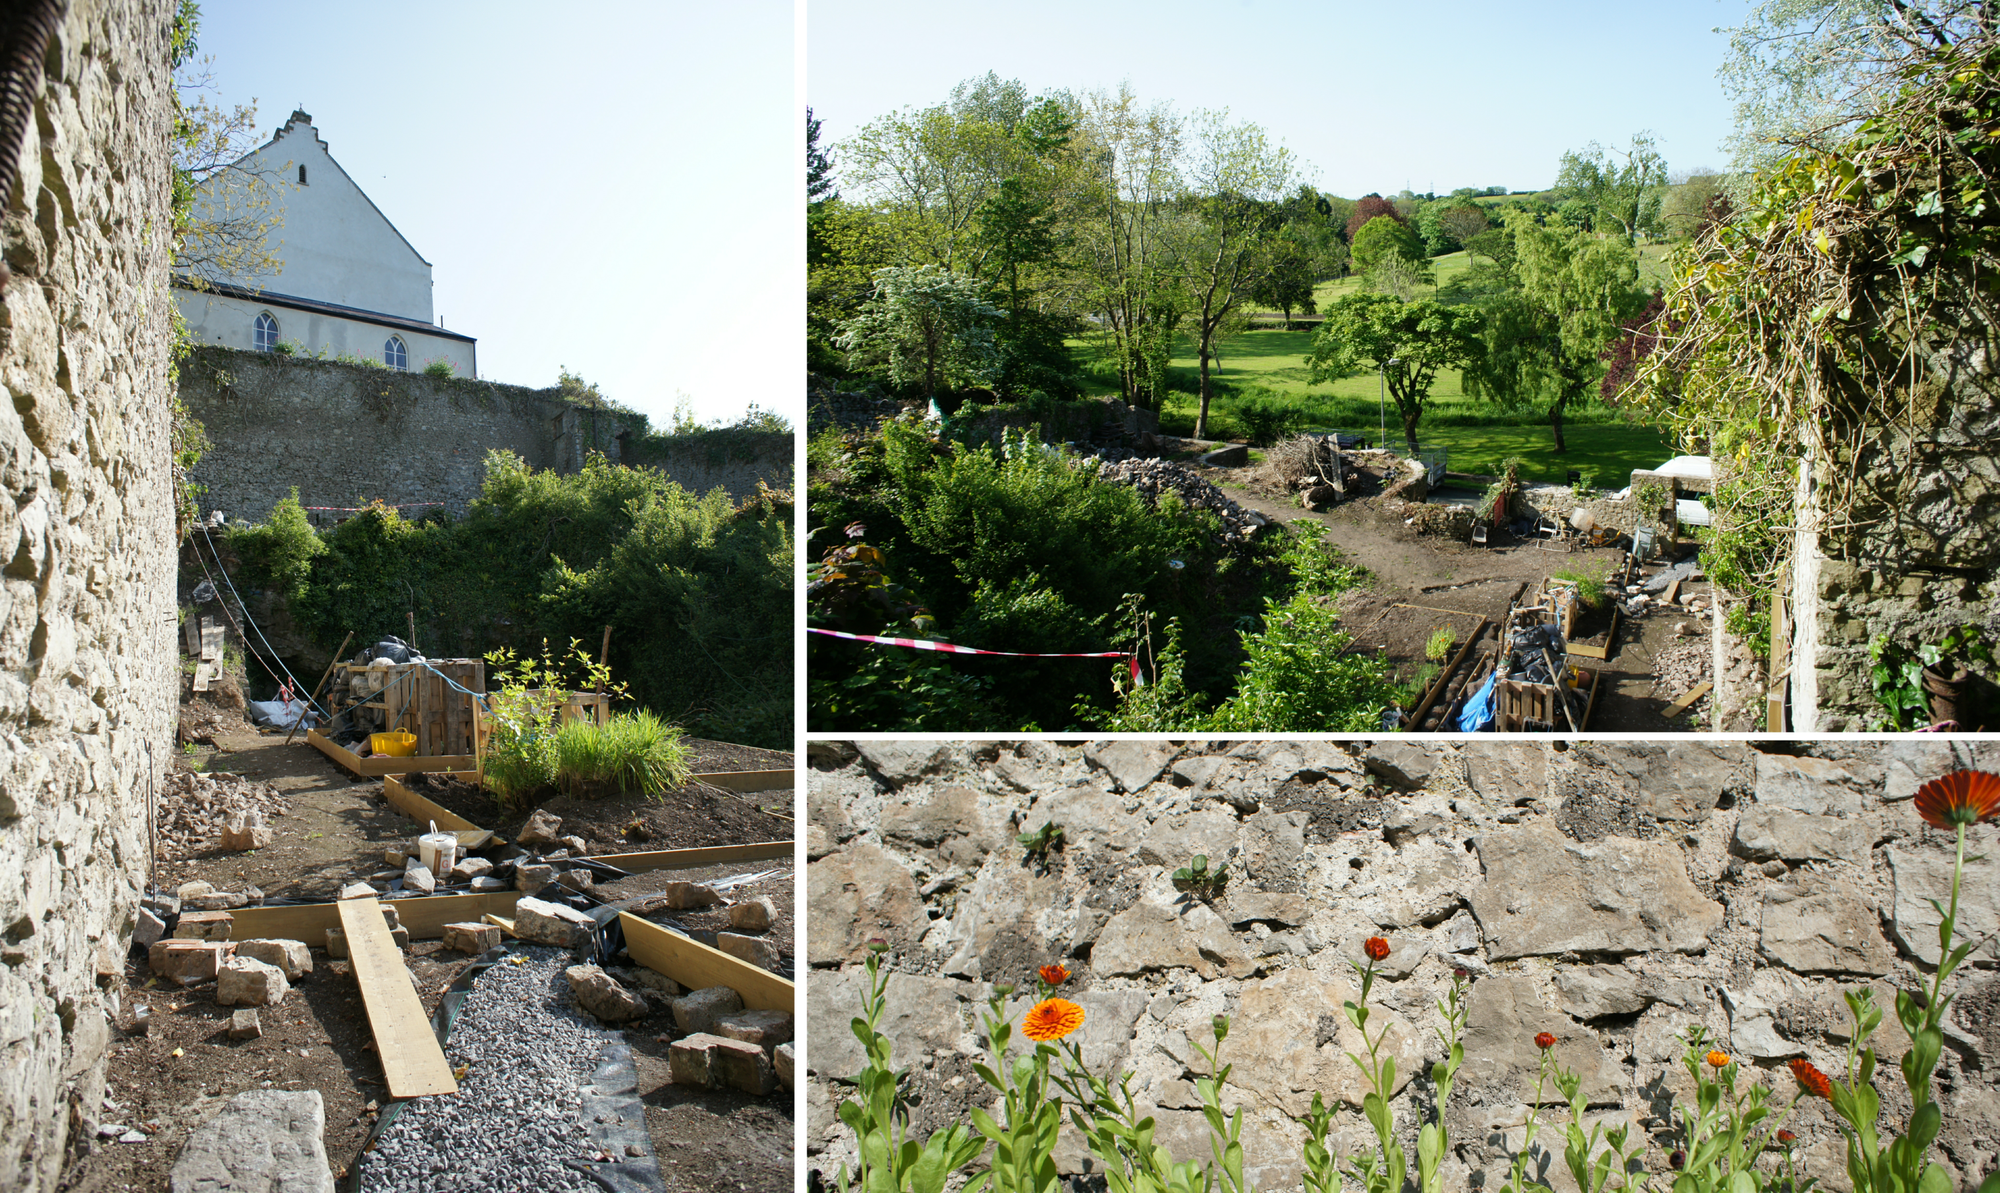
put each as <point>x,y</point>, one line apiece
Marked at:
<point>185,1067</point>
<point>1421,583</point>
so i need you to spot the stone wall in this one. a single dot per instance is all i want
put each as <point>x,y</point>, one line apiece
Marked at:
<point>347,434</point>
<point>86,627</point>
<point>1909,551</point>
<point>1612,894</point>
<point>735,458</point>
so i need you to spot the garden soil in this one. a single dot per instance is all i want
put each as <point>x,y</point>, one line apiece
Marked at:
<point>1421,583</point>
<point>175,1075</point>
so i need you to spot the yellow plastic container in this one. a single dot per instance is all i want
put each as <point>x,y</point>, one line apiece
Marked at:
<point>396,745</point>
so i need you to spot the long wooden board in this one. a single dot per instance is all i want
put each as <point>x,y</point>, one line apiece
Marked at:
<point>688,859</point>
<point>412,1063</point>
<point>1680,706</point>
<point>376,766</point>
<point>425,918</point>
<point>695,965</point>
<point>421,810</point>
<point>748,780</point>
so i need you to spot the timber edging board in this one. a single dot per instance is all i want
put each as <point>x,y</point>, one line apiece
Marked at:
<point>376,766</point>
<point>695,965</point>
<point>413,1064</point>
<point>419,809</point>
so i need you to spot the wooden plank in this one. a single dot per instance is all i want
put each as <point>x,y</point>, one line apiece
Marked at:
<point>688,859</point>
<point>376,766</point>
<point>191,633</point>
<point>425,811</point>
<point>500,921</point>
<point>1780,664</point>
<point>425,918</point>
<point>205,674</point>
<point>1680,706</point>
<point>412,1062</point>
<point>696,966</point>
<point>1673,590</point>
<point>211,641</point>
<point>749,780</point>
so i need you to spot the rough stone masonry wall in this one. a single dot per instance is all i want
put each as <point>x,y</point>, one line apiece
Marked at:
<point>1913,551</point>
<point>86,533</point>
<point>346,434</point>
<point>1612,894</point>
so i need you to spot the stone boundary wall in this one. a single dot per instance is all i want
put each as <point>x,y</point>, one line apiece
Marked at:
<point>87,676</point>
<point>1612,894</point>
<point>733,458</point>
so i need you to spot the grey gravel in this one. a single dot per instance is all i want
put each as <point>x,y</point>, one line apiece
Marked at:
<point>515,1120</point>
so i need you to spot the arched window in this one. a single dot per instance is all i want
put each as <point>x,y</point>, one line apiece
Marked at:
<point>265,335</point>
<point>395,355</point>
<point>302,175</point>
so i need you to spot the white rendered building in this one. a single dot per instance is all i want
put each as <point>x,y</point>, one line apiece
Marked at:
<point>349,284</point>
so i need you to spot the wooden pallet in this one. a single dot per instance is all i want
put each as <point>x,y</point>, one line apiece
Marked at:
<point>415,698</point>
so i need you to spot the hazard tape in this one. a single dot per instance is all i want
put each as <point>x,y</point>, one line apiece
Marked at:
<point>948,648</point>
<point>355,509</point>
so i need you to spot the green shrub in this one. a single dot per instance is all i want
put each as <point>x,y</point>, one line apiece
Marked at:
<point>279,553</point>
<point>440,367</point>
<point>1299,678</point>
<point>1440,643</point>
<point>631,753</point>
<point>1589,589</point>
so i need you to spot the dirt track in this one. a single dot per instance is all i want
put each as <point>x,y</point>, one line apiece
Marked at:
<point>1419,582</point>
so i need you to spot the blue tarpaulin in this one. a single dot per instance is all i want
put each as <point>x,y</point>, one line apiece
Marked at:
<point>1478,714</point>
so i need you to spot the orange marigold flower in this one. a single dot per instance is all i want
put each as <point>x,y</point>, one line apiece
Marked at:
<point>1811,1079</point>
<point>1051,1019</point>
<point>1054,975</point>
<point>1962,797</point>
<point>1718,1059</point>
<point>1376,948</point>
<point>1544,1041</point>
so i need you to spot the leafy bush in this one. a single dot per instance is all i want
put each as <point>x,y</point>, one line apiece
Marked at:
<point>440,367</point>
<point>1441,641</point>
<point>279,553</point>
<point>1299,678</point>
<point>1589,589</point>
<point>631,753</point>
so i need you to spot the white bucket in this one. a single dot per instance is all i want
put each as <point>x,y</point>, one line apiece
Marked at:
<point>438,851</point>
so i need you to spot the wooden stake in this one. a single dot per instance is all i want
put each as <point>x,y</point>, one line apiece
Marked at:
<point>337,656</point>
<point>413,631</point>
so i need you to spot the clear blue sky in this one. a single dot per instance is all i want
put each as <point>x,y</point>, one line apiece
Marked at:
<point>615,189</point>
<point>1375,96</point>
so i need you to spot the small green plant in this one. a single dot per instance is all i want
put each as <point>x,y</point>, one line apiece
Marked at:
<point>525,696</point>
<point>1727,1129</point>
<point>1440,644</point>
<point>889,1160</point>
<point>632,752</point>
<point>1650,497</point>
<point>1382,1170</point>
<point>1517,1176</point>
<point>1434,1139</point>
<point>1589,589</point>
<point>1579,1148</point>
<point>1198,880</point>
<point>440,367</point>
<point>1896,673</point>
<point>1754,628</point>
<point>1042,842</point>
<point>287,348</point>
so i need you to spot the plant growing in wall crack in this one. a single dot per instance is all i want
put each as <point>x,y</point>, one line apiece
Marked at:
<point>890,1161</point>
<point>1434,1140</point>
<point>1024,1139</point>
<point>1383,1170</point>
<point>1198,880</point>
<point>1043,841</point>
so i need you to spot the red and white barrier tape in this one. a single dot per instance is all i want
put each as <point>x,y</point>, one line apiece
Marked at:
<point>948,648</point>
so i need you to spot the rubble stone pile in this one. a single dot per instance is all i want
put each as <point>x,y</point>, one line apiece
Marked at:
<point>197,811</point>
<point>1154,477</point>
<point>1680,668</point>
<point>1612,894</point>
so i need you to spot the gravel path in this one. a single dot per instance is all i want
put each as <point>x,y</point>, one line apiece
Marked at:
<point>516,1117</point>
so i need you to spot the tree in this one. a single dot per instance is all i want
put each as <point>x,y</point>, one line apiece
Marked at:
<point>1545,333</point>
<point>1803,73</point>
<point>1383,237</point>
<point>223,205</point>
<point>1228,220</point>
<point>1288,283</point>
<point>1619,189</point>
<point>930,328</point>
<point>1689,204</point>
<point>1367,208</point>
<point>821,190</point>
<point>1462,223</point>
<point>1407,341</point>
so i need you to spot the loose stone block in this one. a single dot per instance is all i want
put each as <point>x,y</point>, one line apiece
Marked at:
<point>740,1066</point>
<point>249,896</point>
<point>149,929</point>
<point>263,1140</point>
<point>250,982</point>
<point>204,925</point>
<point>600,994</point>
<point>471,938</point>
<point>551,923</point>
<point>188,961</point>
<point>688,896</point>
<point>702,1010</point>
<point>470,868</point>
<point>781,1063</point>
<point>753,915</point>
<point>688,1059</point>
<point>766,1029</point>
<point>418,877</point>
<point>358,890</point>
<point>291,956</point>
<point>243,1024</point>
<point>533,878</point>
